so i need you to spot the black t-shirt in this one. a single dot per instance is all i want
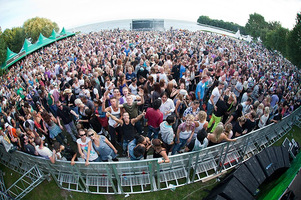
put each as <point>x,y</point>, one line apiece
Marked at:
<point>142,72</point>
<point>249,125</point>
<point>129,131</point>
<point>237,129</point>
<point>221,108</point>
<point>176,71</point>
<point>93,121</point>
<point>65,114</point>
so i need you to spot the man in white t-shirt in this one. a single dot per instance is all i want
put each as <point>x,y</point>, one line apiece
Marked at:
<point>44,151</point>
<point>216,93</point>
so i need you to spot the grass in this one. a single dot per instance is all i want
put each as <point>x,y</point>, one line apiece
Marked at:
<point>199,190</point>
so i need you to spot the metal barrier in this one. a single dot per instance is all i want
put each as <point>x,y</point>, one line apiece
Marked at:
<point>147,175</point>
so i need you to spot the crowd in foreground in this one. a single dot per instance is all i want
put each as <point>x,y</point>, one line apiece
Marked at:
<point>101,96</point>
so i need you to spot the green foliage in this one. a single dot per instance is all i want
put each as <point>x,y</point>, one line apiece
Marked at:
<point>294,43</point>
<point>256,26</point>
<point>2,50</point>
<point>221,24</point>
<point>33,27</point>
<point>14,38</point>
<point>276,39</point>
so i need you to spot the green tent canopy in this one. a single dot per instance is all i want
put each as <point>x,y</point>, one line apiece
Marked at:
<point>53,35</point>
<point>28,48</point>
<point>43,41</point>
<point>10,54</point>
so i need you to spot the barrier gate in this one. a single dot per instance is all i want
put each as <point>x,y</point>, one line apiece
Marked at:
<point>144,175</point>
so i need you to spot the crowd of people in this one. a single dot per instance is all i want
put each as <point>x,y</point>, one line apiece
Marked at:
<point>112,94</point>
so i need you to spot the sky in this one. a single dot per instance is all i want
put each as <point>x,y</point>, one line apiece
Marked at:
<point>74,13</point>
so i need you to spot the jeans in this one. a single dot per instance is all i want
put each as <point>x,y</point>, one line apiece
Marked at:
<point>210,108</point>
<point>179,145</point>
<point>138,127</point>
<point>154,131</point>
<point>71,129</point>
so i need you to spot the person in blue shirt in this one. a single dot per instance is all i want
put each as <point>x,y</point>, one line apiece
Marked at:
<point>138,147</point>
<point>182,69</point>
<point>200,90</point>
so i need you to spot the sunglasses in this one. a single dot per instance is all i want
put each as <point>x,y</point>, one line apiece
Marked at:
<point>82,135</point>
<point>91,135</point>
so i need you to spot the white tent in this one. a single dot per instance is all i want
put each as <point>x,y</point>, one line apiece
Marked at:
<point>249,38</point>
<point>237,34</point>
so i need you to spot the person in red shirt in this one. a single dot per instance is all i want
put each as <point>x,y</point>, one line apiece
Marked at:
<point>154,117</point>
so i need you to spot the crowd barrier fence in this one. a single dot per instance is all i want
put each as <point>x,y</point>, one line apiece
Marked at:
<point>128,177</point>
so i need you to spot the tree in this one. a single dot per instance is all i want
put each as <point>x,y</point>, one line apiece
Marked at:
<point>2,50</point>
<point>277,39</point>
<point>294,43</point>
<point>33,27</point>
<point>256,26</point>
<point>14,38</point>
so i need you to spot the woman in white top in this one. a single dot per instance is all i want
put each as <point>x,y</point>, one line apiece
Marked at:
<point>264,118</point>
<point>184,133</point>
<point>200,122</point>
<point>86,149</point>
<point>167,106</point>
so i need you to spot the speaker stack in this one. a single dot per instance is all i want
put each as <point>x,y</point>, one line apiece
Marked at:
<point>243,182</point>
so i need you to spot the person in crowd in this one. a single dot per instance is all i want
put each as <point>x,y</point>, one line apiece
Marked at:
<point>43,151</point>
<point>193,109</point>
<point>214,97</point>
<point>167,133</point>
<point>102,146</point>
<point>154,117</point>
<point>160,151</point>
<point>114,127</point>
<point>264,118</point>
<point>65,114</point>
<point>167,106</point>
<point>250,123</point>
<point>228,130</point>
<point>238,127</point>
<point>65,152</point>
<point>128,127</point>
<point>54,130</point>
<point>184,134</point>
<point>5,141</point>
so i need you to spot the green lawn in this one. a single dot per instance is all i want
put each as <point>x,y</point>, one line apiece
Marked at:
<point>49,190</point>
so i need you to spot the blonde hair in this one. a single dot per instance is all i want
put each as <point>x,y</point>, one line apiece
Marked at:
<point>202,115</point>
<point>218,131</point>
<point>261,106</point>
<point>267,110</point>
<point>190,117</point>
<point>90,130</point>
<point>228,128</point>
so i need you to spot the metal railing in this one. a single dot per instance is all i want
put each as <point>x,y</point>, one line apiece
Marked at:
<point>147,175</point>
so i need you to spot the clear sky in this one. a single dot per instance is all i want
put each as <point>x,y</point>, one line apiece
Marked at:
<point>73,13</point>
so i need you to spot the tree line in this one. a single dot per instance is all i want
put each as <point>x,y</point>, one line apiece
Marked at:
<point>272,34</point>
<point>14,38</point>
